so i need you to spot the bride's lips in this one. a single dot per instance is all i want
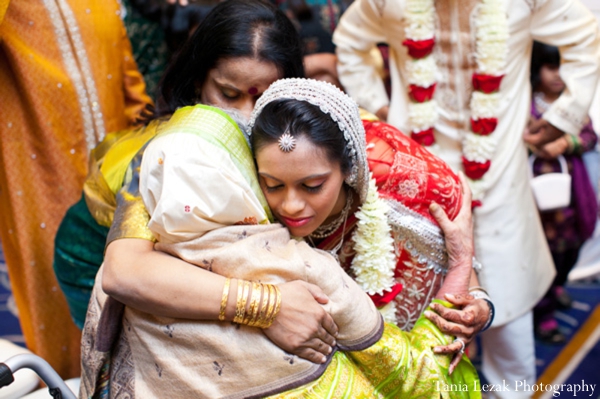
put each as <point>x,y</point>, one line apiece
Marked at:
<point>295,222</point>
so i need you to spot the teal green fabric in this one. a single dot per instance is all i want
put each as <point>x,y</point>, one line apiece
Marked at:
<point>78,254</point>
<point>149,46</point>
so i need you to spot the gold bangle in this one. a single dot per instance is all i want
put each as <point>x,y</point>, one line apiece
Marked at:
<point>253,309</point>
<point>271,318</point>
<point>245,299</point>
<point>264,304</point>
<point>242,298</point>
<point>224,299</point>
<point>271,307</point>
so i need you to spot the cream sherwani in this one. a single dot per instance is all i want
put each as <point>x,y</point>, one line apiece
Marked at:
<point>509,240</point>
<point>510,243</point>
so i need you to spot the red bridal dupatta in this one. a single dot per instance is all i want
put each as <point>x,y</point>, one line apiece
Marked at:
<point>409,178</point>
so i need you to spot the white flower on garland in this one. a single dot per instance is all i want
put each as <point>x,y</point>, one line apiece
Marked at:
<point>422,71</point>
<point>491,37</point>
<point>374,262</point>
<point>389,313</point>
<point>484,105</point>
<point>478,188</point>
<point>422,116</point>
<point>420,17</point>
<point>479,148</point>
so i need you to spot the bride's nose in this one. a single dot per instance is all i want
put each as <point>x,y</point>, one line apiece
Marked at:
<point>292,204</point>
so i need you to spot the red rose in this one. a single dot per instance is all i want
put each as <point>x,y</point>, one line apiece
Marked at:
<point>387,297</point>
<point>421,94</point>
<point>419,48</point>
<point>484,126</point>
<point>486,83</point>
<point>424,137</point>
<point>475,204</point>
<point>475,170</point>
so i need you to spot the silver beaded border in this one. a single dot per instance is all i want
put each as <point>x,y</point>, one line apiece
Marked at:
<point>342,109</point>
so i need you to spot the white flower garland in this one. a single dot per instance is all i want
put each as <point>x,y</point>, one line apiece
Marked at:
<point>491,48</point>
<point>374,262</point>
<point>420,25</point>
<point>420,115</point>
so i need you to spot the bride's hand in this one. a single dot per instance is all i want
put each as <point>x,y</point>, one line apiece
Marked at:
<point>302,327</point>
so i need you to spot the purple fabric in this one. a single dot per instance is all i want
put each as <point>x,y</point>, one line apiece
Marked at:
<point>585,203</point>
<point>569,227</point>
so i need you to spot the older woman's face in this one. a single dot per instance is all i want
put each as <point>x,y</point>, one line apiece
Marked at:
<point>303,187</point>
<point>237,83</point>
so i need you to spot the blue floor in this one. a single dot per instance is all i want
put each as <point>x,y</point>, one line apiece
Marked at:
<point>9,322</point>
<point>586,297</point>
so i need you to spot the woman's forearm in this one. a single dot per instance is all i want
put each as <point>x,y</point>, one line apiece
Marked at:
<point>157,283</point>
<point>163,285</point>
<point>458,279</point>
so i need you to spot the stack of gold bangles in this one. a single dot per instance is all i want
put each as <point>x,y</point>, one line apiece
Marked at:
<point>257,304</point>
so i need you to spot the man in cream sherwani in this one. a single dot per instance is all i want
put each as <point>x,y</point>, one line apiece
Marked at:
<point>510,243</point>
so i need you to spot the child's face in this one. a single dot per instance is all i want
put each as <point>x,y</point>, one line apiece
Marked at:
<point>550,80</point>
<point>303,187</point>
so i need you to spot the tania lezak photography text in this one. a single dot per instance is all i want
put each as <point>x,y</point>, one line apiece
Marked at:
<point>557,390</point>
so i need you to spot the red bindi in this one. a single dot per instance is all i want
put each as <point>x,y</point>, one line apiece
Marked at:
<point>252,91</point>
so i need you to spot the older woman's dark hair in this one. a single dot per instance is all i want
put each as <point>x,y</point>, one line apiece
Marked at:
<point>233,29</point>
<point>300,118</point>
<point>542,54</point>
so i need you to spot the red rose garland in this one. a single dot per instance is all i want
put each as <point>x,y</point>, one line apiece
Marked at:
<point>490,53</point>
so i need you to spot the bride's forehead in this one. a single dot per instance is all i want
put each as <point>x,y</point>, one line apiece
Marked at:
<point>304,155</point>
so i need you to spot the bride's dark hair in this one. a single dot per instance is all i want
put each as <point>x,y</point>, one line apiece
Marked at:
<point>301,119</point>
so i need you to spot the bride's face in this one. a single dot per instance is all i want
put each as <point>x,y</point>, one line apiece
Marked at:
<point>303,187</point>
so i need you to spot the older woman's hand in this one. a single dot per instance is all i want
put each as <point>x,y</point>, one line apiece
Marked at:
<point>302,327</point>
<point>464,322</point>
<point>458,234</point>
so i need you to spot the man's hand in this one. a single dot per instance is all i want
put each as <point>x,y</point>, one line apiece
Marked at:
<point>382,113</point>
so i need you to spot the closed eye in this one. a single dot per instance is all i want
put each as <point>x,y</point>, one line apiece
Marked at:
<point>313,189</point>
<point>229,94</point>
<point>271,189</point>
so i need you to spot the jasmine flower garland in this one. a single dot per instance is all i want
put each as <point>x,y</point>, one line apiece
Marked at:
<point>374,262</point>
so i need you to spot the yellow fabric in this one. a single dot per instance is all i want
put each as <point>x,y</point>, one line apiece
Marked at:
<point>112,165</point>
<point>399,365</point>
<point>117,159</point>
<point>367,116</point>
<point>44,153</point>
<point>3,7</point>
